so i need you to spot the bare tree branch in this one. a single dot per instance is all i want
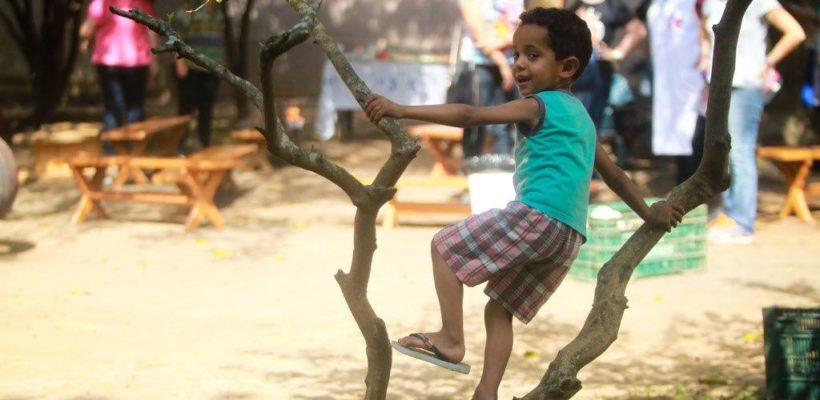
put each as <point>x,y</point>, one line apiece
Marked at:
<point>174,41</point>
<point>404,148</point>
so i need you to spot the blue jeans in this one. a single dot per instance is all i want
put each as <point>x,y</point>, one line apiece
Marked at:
<point>123,90</point>
<point>482,86</point>
<point>592,88</point>
<point>740,200</point>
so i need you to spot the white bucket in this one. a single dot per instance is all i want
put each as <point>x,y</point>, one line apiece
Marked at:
<point>488,190</point>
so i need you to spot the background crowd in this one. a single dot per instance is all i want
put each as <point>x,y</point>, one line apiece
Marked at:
<point>678,38</point>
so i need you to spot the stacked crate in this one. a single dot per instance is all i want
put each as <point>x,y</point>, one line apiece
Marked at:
<point>610,225</point>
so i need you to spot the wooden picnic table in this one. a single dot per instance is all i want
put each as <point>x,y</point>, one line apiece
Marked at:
<point>795,163</point>
<point>259,159</point>
<point>199,177</point>
<point>441,140</point>
<point>133,139</point>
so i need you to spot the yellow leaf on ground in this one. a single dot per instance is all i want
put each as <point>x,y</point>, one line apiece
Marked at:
<point>753,337</point>
<point>299,226</point>
<point>221,253</point>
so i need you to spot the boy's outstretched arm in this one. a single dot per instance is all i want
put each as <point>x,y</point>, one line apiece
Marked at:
<point>460,115</point>
<point>663,214</point>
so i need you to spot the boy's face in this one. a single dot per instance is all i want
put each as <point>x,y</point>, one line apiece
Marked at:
<point>535,68</point>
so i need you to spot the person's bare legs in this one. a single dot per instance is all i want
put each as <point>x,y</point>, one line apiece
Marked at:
<point>450,339</point>
<point>497,350</point>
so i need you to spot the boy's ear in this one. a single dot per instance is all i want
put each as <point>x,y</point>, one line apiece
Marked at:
<point>569,66</point>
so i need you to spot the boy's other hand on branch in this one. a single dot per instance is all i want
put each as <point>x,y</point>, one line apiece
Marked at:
<point>665,215</point>
<point>378,107</point>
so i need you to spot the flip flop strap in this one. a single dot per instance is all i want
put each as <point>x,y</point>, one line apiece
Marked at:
<point>433,347</point>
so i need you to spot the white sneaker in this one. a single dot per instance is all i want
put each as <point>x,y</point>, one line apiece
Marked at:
<point>731,235</point>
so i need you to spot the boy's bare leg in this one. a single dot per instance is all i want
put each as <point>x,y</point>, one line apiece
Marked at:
<point>498,322</point>
<point>450,339</point>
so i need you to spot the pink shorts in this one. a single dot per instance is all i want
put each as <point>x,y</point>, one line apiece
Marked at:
<point>522,254</point>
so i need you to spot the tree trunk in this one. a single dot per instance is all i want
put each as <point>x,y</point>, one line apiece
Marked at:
<point>49,55</point>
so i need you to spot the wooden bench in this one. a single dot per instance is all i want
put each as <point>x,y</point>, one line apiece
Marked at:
<point>133,139</point>
<point>259,159</point>
<point>53,144</point>
<point>441,140</point>
<point>397,206</point>
<point>795,164</point>
<point>200,175</point>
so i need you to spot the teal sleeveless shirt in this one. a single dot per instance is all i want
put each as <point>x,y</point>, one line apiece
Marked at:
<point>554,159</point>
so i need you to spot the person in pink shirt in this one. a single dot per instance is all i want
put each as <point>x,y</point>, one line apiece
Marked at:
<point>121,53</point>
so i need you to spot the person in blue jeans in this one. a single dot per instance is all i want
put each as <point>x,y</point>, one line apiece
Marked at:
<point>121,52</point>
<point>481,78</point>
<point>735,222</point>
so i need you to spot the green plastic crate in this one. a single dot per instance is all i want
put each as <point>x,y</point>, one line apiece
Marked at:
<point>681,250</point>
<point>791,339</point>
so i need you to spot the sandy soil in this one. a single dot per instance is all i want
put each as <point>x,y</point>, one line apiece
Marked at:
<point>136,308</point>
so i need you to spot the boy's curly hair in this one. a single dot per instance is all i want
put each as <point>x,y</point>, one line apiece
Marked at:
<point>567,34</point>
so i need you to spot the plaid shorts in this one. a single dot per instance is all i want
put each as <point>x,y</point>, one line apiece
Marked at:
<point>522,254</point>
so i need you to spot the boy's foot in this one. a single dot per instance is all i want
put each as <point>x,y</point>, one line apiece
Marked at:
<point>419,345</point>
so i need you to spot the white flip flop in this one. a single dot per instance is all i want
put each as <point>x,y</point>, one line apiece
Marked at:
<point>433,357</point>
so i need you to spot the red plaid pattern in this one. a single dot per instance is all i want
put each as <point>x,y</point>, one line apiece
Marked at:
<point>522,253</point>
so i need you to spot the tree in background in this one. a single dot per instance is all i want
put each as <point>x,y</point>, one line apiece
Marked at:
<point>603,322</point>
<point>46,33</point>
<point>236,51</point>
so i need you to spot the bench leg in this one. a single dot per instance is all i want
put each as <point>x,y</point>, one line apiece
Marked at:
<point>125,172</point>
<point>390,218</point>
<point>87,188</point>
<point>796,175</point>
<point>442,151</point>
<point>203,186</point>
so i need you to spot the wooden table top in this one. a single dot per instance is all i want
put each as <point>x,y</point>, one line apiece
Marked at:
<point>143,129</point>
<point>790,153</point>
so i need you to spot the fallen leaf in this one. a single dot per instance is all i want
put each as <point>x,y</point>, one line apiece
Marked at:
<point>530,354</point>
<point>753,337</point>
<point>299,226</point>
<point>221,253</point>
<point>200,241</point>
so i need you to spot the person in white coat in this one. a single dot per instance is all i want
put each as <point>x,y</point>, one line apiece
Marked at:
<point>674,39</point>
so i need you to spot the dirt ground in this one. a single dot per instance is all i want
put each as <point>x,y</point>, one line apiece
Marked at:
<point>136,308</point>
